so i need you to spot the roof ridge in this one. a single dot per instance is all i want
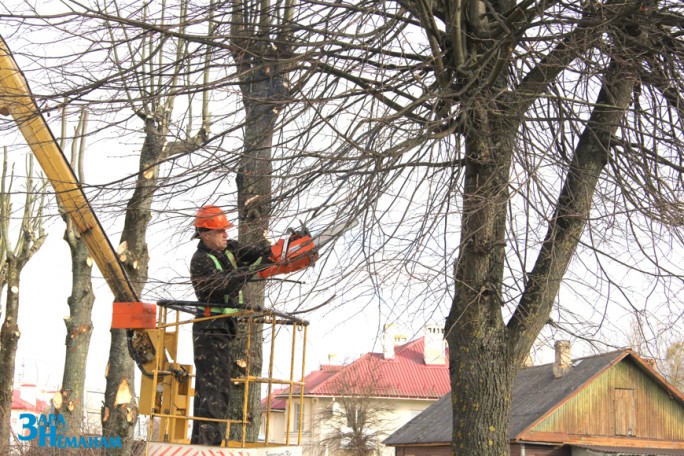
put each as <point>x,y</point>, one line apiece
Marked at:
<point>404,375</point>
<point>617,352</point>
<point>336,373</point>
<point>405,345</point>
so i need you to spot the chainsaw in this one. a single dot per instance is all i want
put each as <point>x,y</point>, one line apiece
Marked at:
<point>300,249</point>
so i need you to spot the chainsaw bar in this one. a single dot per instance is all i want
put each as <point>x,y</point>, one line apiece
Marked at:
<point>333,232</point>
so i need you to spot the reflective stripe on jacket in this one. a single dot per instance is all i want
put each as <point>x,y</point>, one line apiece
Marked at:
<point>226,298</point>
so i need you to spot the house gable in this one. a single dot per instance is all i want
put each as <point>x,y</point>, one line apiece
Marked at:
<point>598,403</point>
<point>537,392</point>
<point>623,401</point>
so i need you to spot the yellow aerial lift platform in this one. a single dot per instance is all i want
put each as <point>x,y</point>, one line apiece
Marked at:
<point>165,395</point>
<point>153,330</point>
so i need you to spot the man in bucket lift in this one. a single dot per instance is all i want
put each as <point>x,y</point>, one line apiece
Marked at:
<point>218,270</point>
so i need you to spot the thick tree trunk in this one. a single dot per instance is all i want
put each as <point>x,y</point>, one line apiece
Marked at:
<point>79,329</point>
<point>120,411</point>
<point>9,338</point>
<point>481,367</point>
<point>485,354</point>
<point>71,398</point>
<point>260,90</point>
<point>260,37</point>
<point>482,376</point>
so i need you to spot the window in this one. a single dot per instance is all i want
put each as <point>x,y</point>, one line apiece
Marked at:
<point>297,411</point>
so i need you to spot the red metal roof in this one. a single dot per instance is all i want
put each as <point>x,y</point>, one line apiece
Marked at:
<point>278,401</point>
<point>404,376</point>
<point>279,397</point>
<point>20,404</point>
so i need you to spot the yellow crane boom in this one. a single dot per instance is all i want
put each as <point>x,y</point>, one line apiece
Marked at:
<point>16,101</point>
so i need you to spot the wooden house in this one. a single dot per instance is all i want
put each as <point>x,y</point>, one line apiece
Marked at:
<point>608,404</point>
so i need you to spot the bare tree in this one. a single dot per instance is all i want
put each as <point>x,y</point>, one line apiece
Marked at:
<point>151,95</point>
<point>359,418</point>
<point>14,257</point>
<point>672,365</point>
<point>520,119</point>
<point>261,37</point>
<point>70,400</point>
<point>661,345</point>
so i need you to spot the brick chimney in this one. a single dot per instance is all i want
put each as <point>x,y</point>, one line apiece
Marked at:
<point>650,362</point>
<point>435,345</point>
<point>563,362</point>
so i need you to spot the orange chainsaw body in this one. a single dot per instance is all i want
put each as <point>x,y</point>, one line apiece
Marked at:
<point>291,255</point>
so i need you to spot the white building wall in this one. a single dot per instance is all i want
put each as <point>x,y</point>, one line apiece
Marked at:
<point>319,423</point>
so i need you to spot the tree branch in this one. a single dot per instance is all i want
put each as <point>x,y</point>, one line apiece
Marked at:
<point>572,209</point>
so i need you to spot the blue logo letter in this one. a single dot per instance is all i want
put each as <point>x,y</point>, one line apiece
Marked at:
<point>30,425</point>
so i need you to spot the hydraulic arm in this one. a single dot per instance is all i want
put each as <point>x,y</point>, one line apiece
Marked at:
<point>16,101</point>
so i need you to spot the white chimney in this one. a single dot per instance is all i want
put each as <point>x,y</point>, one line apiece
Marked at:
<point>563,362</point>
<point>388,335</point>
<point>435,345</point>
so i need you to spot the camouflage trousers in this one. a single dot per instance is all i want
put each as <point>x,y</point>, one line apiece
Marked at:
<point>211,344</point>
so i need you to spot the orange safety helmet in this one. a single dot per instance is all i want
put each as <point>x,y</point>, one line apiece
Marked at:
<point>211,217</point>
